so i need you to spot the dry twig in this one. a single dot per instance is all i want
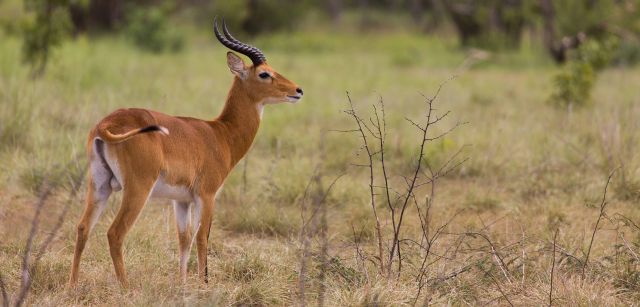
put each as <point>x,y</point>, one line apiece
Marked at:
<point>603,205</point>
<point>553,266</point>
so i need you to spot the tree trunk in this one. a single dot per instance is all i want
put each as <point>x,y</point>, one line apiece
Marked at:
<point>558,49</point>
<point>78,16</point>
<point>548,28</point>
<point>463,17</point>
<point>436,16</point>
<point>334,8</point>
<point>510,21</point>
<point>365,22</point>
<point>417,10</point>
<point>105,14</point>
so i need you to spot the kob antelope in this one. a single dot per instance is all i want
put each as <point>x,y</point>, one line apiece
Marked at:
<point>150,154</point>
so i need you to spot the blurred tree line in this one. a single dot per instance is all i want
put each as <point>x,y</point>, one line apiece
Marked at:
<point>561,26</point>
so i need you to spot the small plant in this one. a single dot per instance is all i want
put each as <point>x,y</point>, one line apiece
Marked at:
<point>572,85</point>
<point>373,134</point>
<point>627,189</point>
<point>337,268</point>
<point>149,31</point>
<point>628,275</point>
<point>574,82</point>
<point>245,268</point>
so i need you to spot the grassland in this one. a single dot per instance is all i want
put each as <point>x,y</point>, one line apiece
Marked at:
<point>532,169</point>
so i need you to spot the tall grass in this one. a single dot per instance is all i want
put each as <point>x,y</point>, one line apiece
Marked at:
<point>533,169</point>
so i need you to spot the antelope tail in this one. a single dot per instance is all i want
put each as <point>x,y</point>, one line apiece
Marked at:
<point>109,137</point>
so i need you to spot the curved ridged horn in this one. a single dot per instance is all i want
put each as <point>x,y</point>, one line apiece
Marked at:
<point>256,56</point>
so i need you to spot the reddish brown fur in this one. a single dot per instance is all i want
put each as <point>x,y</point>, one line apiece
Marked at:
<point>196,154</point>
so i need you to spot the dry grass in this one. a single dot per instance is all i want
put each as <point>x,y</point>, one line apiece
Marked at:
<point>533,169</point>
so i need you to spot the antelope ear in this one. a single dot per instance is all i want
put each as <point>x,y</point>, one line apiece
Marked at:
<point>236,65</point>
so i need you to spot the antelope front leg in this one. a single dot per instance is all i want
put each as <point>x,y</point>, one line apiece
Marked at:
<point>183,221</point>
<point>206,204</point>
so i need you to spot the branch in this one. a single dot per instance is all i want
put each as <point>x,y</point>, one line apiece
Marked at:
<point>26,278</point>
<point>360,124</point>
<point>603,205</point>
<point>495,281</point>
<point>503,267</point>
<point>5,296</point>
<point>553,266</point>
<point>26,281</point>
<point>626,244</point>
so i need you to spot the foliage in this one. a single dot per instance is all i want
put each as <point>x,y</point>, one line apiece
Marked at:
<point>10,12</point>
<point>574,82</point>
<point>491,24</point>
<point>627,19</point>
<point>44,31</point>
<point>496,24</point>
<point>233,12</point>
<point>148,28</point>
<point>597,53</point>
<point>515,144</point>
<point>258,16</point>
<point>575,16</point>
<point>267,16</point>
<point>627,54</point>
<point>600,20</point>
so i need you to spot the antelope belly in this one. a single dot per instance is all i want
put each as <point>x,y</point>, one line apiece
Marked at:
<point>161,189</point>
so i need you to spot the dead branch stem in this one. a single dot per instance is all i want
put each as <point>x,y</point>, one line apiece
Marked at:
<point>553,266</point>
<point>603,205</point>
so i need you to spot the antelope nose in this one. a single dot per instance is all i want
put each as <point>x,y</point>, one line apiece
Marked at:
<point>299,91</point>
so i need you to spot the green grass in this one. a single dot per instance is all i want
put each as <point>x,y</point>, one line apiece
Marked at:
<point>532,169</point>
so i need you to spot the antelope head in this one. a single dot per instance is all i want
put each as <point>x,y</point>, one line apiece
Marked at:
<point>259,80</point>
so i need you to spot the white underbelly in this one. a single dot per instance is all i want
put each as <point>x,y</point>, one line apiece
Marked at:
<point>161,189</point>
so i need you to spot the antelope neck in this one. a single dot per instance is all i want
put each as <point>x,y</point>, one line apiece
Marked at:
<point>240,119</point>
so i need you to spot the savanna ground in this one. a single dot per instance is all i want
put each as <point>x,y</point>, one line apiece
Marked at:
<point>532,169</point>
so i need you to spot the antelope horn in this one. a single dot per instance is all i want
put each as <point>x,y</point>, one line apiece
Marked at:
<point>256,56</point>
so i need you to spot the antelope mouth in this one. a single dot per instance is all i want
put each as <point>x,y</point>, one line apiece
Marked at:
<point>295,98</point>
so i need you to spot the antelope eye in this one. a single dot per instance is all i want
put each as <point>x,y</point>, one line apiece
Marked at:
<point>264,75</point>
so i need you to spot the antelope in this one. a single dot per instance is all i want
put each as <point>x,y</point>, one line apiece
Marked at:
<point>147,154</point>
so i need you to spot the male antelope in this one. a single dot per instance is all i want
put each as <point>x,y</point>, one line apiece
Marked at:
<point>151,154</point>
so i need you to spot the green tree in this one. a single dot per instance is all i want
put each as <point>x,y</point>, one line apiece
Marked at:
<point>149,30</point>
<point>44,30</point>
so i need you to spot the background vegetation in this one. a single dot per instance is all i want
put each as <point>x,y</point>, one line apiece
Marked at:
<point>545,91</point>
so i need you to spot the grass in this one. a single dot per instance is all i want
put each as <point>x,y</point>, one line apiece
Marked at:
<point>532,169</point>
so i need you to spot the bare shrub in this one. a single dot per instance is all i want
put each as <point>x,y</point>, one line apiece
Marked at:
<point>395,200</point>
<point>32,254</point>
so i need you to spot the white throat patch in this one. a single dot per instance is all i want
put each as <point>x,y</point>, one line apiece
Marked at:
<point>260,108</point>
